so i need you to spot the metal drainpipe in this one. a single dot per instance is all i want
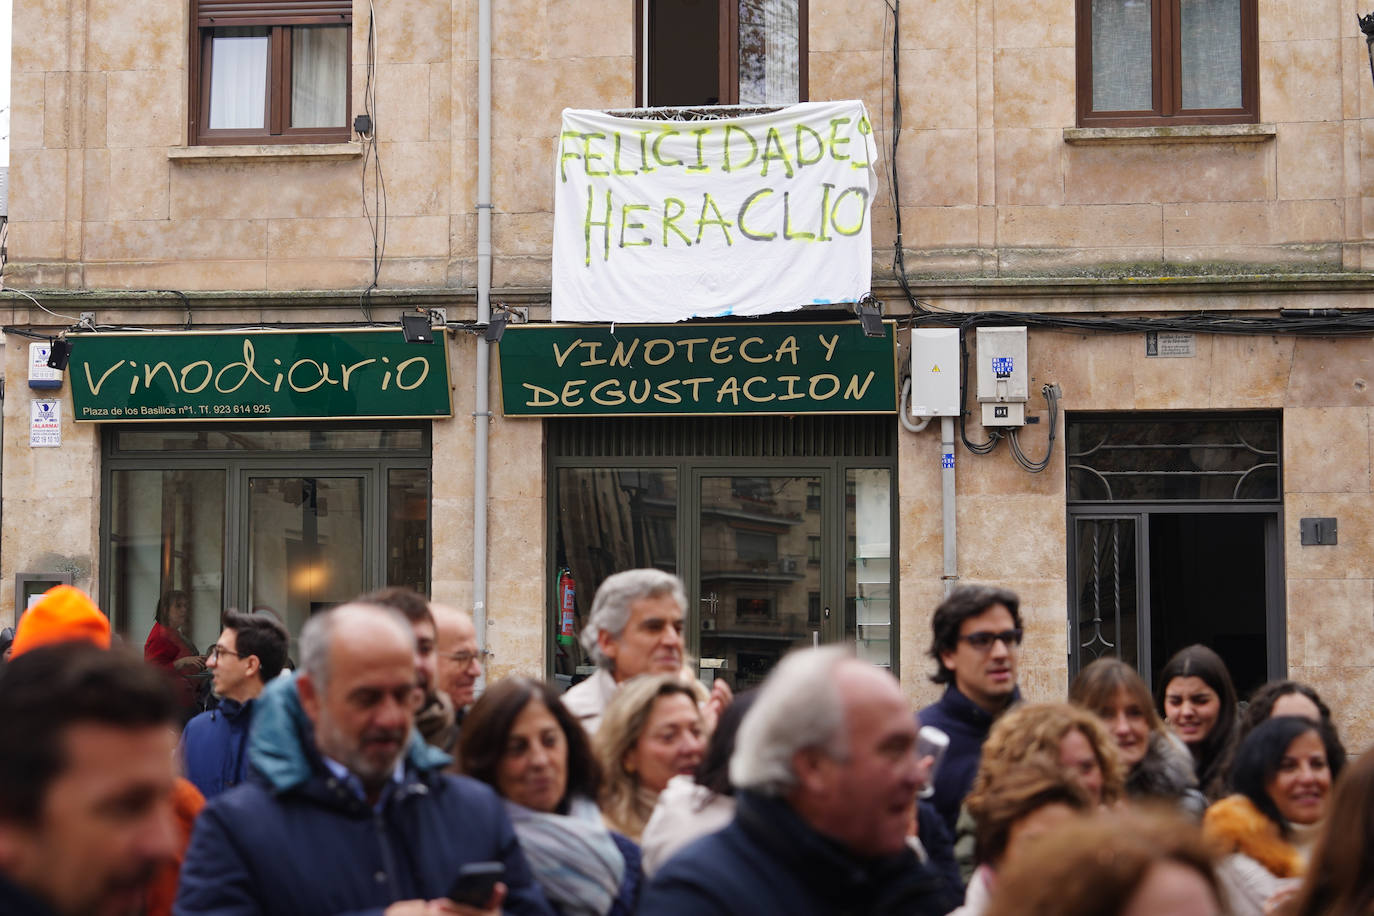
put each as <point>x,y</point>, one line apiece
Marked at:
<point>951,574</point>
<point>482,413</point>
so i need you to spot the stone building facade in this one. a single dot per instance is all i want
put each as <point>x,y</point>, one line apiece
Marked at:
<point>1010,200</point>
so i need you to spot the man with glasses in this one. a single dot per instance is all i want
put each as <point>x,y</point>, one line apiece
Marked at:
<point>349,809</point>
<point>460,660</point>
<point>214,746</point>
<point>975,645</point>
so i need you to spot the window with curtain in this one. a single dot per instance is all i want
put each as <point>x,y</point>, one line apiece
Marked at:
<point>1143,62</point>
<point>722,52</point>
<point>270,72</point>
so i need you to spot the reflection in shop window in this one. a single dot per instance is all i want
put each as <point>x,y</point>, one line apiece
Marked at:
<point>609,519</point>
<point>166,560</point>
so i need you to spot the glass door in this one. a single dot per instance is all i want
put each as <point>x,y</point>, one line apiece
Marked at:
<point>307,541</point>
<point>762,585</point>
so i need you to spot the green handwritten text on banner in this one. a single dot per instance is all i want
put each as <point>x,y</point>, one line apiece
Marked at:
<point>257,375</point>
<point>549,370</point>
<point>746,215</point>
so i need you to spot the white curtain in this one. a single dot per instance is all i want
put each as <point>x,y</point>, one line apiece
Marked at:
<point>1211,53</point>
<point>1123,67</point>
<point>768,52</point>
<point>319,74</point>
<point>238,79</point>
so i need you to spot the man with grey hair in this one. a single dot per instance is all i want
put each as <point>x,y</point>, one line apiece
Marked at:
<point>350,809</point>
<point>635,628</point>
<point>826,776</point>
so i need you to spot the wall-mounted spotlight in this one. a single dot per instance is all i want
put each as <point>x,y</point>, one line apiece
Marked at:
<point>59,353</point>
<point>416,329</point>
<point>870,312</point>
<point>496,327</point>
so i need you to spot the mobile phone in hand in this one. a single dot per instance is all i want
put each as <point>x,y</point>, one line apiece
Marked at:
<point>475,883</point>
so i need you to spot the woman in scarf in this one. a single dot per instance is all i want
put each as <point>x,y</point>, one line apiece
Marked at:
<point>520,740</point>
<point>1282,776</point>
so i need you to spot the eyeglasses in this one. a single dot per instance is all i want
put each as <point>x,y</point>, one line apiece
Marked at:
<point>217,650</point>
<point>982,640</point>
<point>467,658</point>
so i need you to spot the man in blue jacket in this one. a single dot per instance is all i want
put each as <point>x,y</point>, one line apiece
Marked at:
<point>214,746</point>
<point>975,644</point>
<point>349,810</point>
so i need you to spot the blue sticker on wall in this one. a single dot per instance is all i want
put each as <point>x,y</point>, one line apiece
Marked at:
<point>1001,366</point>
<point>948,460</point>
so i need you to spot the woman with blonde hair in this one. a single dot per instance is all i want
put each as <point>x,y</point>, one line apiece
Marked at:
<point>1022,803</point>
<point>1058,733</point>
<point>1158,764</point>
<point>651,731</point>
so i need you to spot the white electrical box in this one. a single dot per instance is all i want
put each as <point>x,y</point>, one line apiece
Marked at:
<point>1003,376</point>
<point>935,372</point>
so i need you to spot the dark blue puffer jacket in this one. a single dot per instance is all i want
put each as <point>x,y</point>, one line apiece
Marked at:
<point>967,725</point>
<point>214,747</point>
<point>295,841</point>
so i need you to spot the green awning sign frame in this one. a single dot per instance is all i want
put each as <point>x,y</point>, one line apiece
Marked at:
<point>697,369</point>
<point>356,374</point>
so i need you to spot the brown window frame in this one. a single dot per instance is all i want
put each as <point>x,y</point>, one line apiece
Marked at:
<point>728,77</point>
<point>279,17</point>
<point>1167,95</point>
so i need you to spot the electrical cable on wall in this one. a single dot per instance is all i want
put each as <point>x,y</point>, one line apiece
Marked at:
<point>1051,393</point>
<point>366,125</point>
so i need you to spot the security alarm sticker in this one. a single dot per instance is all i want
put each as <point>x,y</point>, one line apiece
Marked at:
<point>1001,366</point>
<point>45,424</point>
<point>40,375</point>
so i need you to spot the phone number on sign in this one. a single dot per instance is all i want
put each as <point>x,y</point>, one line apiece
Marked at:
<point>234,410</point>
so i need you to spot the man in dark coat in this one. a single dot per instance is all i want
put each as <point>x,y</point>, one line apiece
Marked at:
<point>349,810</point>
<point>975,644</point>
<point>826,775</point>
<point>214,746</point>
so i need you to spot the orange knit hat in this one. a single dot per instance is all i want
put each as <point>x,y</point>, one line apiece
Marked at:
<point>63,614</point>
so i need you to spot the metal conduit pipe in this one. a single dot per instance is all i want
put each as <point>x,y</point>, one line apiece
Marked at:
<point>482,413</point>
<point>951,573</point>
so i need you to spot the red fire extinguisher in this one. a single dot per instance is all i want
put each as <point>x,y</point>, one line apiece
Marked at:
<point>567,605</point>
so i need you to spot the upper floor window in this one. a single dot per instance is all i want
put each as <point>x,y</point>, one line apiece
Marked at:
<point>721,52</point>
<point>270,71</point>
<point>1143,62</point>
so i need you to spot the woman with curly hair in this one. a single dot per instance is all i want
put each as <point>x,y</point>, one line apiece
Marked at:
<point>1063,735</point>
<point>1158,764</point>
<point>651,731</point>
<point>1018,805</point>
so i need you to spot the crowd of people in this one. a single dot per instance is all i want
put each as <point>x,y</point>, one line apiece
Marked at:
<point>371,778</point>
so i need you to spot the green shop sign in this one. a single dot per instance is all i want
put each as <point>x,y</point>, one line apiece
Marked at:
<point>744,368</point>
<point>257,375</point>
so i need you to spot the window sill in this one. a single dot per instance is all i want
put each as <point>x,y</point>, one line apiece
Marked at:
<point>280,152</point>
<point>1184,133</point>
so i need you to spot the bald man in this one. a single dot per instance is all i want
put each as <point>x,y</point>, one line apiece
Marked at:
<point>349,809</point>
<point>460,660</point>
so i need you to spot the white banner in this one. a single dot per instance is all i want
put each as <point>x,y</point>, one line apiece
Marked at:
<point>658,221</point>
